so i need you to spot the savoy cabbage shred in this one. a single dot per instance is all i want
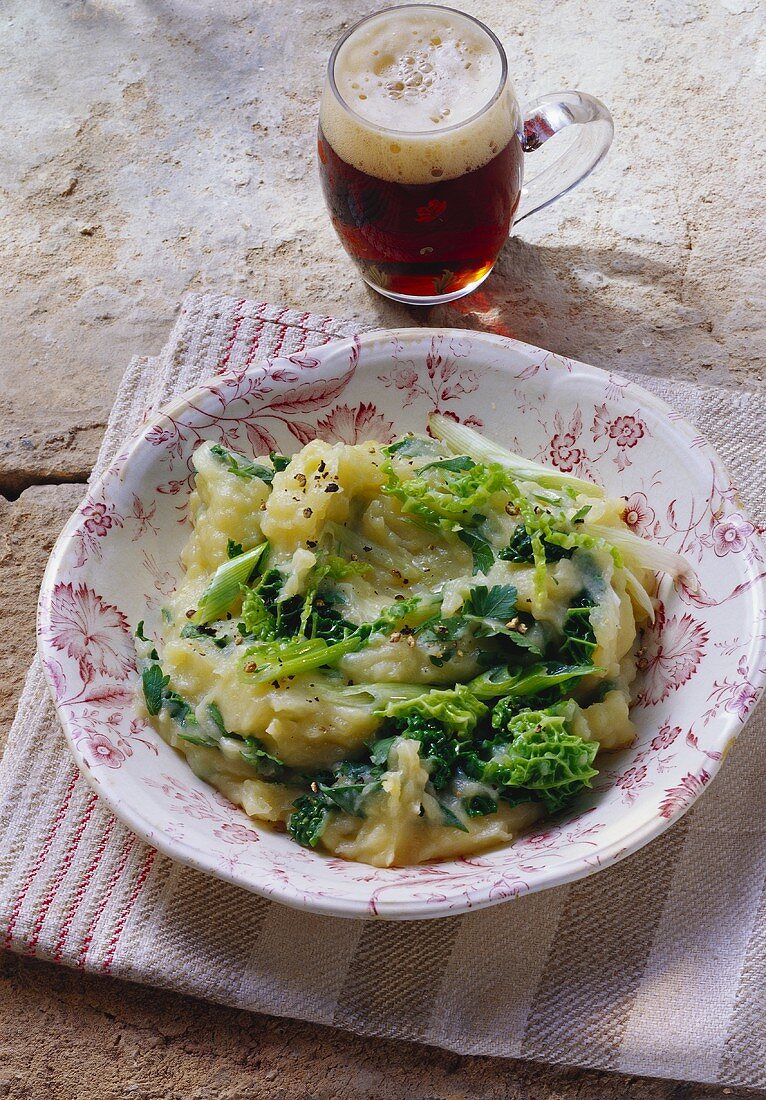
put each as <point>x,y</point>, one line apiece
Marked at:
<point>399,652</point>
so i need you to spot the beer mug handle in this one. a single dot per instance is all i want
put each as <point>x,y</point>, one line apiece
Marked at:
<point>550,114</point>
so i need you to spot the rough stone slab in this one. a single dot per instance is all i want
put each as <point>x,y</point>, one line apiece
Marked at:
<point>149,149</point>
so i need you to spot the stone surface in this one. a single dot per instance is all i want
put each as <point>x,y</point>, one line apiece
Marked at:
<point>150,149</point>
<point>153,149</point>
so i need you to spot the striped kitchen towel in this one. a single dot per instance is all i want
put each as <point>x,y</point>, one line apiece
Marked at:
<point>654,966</point>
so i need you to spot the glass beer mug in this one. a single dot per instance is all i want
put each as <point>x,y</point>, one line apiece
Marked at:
<point>421,150</point>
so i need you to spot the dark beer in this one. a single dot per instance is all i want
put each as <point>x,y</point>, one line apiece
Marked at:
<point>423,240</point>
<point>419,154</point>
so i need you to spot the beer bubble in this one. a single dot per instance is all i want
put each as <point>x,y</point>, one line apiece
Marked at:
<point>395,88</point>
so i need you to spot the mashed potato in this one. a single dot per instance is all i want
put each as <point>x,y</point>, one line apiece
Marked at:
<point>398,653</point>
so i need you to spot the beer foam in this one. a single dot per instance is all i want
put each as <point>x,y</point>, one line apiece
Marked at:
<point>422,92</point>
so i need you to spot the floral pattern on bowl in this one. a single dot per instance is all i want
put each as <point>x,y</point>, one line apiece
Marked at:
<point>703,663</point>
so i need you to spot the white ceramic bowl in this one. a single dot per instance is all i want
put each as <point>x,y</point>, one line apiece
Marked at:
<point>117,560</point>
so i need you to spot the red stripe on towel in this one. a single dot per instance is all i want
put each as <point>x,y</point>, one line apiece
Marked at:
<point>80,890</point>
<point>123,918</point>
<point>42,856</point>
<point>66,863</point>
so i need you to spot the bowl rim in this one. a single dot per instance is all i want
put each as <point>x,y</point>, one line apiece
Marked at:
<point>570,869</point>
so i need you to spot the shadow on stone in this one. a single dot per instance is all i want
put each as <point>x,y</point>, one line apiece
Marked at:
<point>571,300</point>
